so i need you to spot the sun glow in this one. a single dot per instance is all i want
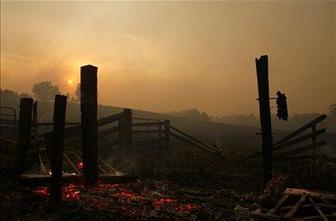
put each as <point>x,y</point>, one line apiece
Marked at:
<point>70,83</point>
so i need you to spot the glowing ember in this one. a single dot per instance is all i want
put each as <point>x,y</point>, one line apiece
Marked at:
<point>187,207</point>
<point>80,165</point>
<point>125,194</point>
<point>159,202</point>
<point>70,192</point>
<point>41,191</point>
<point>120,199</point>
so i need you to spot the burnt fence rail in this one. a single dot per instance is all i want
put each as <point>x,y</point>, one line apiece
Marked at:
<point>8,122</point>
<point>296,144</point>
<point>119,131</point>
<point>286,147</point>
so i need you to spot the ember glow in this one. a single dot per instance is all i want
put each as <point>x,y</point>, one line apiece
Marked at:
<point>69,192</point>
<point>80,165</point>
<point>118,198</point>
<point>159,202</point>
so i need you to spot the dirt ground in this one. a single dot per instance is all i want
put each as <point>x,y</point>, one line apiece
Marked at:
<point>183,184</point>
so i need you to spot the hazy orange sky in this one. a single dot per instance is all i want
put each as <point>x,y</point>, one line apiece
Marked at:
<point>164,56</point>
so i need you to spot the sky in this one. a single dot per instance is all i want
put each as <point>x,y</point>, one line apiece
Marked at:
<point>164,56</point>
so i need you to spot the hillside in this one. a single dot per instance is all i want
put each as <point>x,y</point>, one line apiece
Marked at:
<point>228,137</point>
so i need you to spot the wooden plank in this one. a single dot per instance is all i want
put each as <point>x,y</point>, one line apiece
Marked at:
<point>300,149</point>
<point>43,168</point>
<point>259,214</point>
<point>51,123</point>
<point>76,130</point>
<point>278,204</point>
<point>318,217</point>
<point>302,129</point>
<point>102,169</point>
<point>145,131</point>
<point>146,119</point>
<point>311,193</point>
<point>192,143</point>
<point>295,208</point>
<point>299,139</point>
<point>150,124</point>
<point>300,157</point>
<point>71,163</point>
<point>110,119</point>
<point>107,165</point>
<point>77,156</point>
<point>4,121</point>
<point>324,205</point>
<point>194,139</point>
<point>318,210</point>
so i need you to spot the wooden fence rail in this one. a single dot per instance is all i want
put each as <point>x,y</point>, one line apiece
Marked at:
<point>302,129</point>
<point>293,138</point>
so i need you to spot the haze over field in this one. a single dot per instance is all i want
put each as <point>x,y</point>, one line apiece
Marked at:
<point>164,56</point>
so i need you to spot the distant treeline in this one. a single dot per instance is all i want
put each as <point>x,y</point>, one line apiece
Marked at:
<point>294,121</point>
<point>44,93</point>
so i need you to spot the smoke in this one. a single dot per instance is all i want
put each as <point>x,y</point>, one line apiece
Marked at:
<point>174,55</point>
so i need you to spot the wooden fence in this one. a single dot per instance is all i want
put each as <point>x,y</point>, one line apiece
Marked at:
<point>8,122</point>
<point>287,147</point>
<point>117,132</point>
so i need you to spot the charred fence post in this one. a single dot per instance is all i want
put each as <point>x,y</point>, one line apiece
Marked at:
<point>57,147</point>
<point>265,116</point>
<point>89,122</point>
<point>167,132</point>
<point>24,131</point>
<point>314,161</point>
<point>122,130</point>
<point>35,132</point>
<point>128,127</point>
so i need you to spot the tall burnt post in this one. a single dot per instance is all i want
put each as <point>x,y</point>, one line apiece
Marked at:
<point>88,99</point>
<point>35,132</point>
<point>57,147</point>
<point>265,116</point>
<point>24,131</point>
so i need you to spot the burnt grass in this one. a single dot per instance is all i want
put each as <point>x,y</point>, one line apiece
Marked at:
<point>173,172</point>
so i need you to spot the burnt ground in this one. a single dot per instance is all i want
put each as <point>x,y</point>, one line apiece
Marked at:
<point>180,185</point>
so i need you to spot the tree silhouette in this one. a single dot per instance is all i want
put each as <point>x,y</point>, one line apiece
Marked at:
<point>45,91</point>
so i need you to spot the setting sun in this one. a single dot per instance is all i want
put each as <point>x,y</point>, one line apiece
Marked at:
<point>70,82</point>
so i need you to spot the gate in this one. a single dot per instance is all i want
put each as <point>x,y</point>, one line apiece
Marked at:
<point>8,122</point>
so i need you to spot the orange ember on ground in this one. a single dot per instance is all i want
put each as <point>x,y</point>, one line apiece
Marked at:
<point>80,165</point>
<point>120,199</point>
